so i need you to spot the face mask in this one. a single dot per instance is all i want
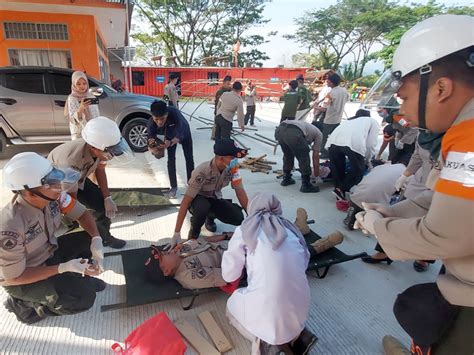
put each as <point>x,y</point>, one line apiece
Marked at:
<point>233,163</point>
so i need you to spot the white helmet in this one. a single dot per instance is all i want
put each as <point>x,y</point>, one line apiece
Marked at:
<point>432,39</point>
<point>421,45</point>
<point>101,133</point>
<point>29,170</point>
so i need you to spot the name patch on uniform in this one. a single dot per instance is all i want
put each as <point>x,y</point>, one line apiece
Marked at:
<point>459,167</point>
<point>33,231</point>
<point>8,240</point>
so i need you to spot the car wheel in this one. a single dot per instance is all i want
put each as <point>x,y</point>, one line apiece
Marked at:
<point>3,146</point>
<point>136,134</point>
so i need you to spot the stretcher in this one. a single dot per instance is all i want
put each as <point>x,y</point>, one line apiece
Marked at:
<point>140,291</point>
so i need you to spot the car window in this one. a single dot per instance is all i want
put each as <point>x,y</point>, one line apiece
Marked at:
<point>61,83</point>
<point>24,82</point>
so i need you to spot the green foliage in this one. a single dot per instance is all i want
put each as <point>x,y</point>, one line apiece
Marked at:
<point>351,28</point>
<point>195,29</point>
<point>322,60</point>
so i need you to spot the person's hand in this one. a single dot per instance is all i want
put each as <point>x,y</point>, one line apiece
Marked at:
<point>110,207</point>
<point>384,210</point>
<point>174,141</point>
<point>84,104</point>
<point>401,182</point>
<point>97,251</point>
<point>365,221</point>
<point>167,143</point>
<point>78,266</point>
<point>175,240</point>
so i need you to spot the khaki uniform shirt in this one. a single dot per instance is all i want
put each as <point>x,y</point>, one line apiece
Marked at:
<point>27,234</point>
<point>208,181</point>
<point>229,104</point>
<point>75,154</point>
<point>172,93</point>
<point>311,133</point>
<point>444,229</point>
<point>201,264</point>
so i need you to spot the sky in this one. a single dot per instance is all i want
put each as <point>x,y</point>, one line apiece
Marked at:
<point>282,15</point>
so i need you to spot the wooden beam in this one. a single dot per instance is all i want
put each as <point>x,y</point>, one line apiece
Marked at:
<point>197,341</point>
<point>215,332</point>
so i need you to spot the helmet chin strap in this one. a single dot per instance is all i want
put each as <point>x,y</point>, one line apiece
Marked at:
<point>39,194</point>
<point>425,72</point>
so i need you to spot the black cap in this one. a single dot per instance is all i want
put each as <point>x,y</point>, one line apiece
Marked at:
<point>300,77</point>
<point>158,108</point>
<point>227,147</point>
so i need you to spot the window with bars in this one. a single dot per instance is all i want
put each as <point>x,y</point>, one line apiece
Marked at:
<point>41,31</point>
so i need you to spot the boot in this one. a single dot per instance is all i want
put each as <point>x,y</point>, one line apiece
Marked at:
<point>306,185</point>
<point>113,242</point>
<point>210,224</point>
<point>287,180</point>
<point>350,217</point>
<point>22,310</point>
<point>328,242</point>
<point>302,221</point>
<point>303,344</point>
<point>392,346</point>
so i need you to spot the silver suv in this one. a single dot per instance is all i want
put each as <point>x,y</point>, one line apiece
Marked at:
<point>32,104</point>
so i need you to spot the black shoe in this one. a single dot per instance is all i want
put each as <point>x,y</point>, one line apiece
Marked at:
<point>339,194</point>
<point>97,284</point>
<point>210,224</point>
<point>370,260</point>
<point>287,181</point>
<point>309,188</point>
<point>303,344</point>
<point>113,243</point>
<point>419,267</point>
<point>23,313</point>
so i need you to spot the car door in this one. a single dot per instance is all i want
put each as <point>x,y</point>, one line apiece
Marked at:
<point>59,88</point>
<point>25,104</point>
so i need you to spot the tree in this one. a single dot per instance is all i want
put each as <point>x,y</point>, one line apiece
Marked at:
<point>148,47</point>
<point>322,60</point>
<point>351,27</point>
<point>193,30</point>
<point>405,17</point>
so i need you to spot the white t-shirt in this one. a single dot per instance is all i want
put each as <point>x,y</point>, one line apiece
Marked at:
<point>338,98</point>
<point>359,134</point>
<point>275,304</point>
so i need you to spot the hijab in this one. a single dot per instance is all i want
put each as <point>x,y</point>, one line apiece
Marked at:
<point>78,94</point>
<point>264,211</point>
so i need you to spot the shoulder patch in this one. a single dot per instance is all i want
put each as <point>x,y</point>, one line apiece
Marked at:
<point>459,167</point>
<point>8,240</point>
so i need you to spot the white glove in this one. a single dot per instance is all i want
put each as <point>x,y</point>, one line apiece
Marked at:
<point>97,251</point>
<point>75,265</point>
<point>384,210</point>
<point>110,207</point>
<point>365,221</point>
<point>175,240</point>
<point>401,182</point>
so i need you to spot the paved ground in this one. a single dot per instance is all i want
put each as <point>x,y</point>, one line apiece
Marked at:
<point>351,308</point>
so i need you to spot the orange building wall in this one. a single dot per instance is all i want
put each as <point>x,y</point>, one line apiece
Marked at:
<point>82,42</point>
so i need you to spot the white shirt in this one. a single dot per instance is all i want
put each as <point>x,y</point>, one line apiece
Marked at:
<point>275,304</point>
<point>359,134</point>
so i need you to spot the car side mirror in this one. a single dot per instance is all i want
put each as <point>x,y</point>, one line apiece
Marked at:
<point>97,91</point>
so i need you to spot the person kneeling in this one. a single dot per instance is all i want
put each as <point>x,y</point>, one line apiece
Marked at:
<point>274,253</point>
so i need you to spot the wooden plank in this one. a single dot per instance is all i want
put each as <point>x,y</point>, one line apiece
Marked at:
<point>197,341</point>
<point>250,161</point>
<point>215,332</point>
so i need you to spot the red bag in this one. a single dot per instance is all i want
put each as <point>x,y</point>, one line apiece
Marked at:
<point>156,336</point>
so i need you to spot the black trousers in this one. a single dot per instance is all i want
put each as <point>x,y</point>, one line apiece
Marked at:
<point>250,115</point>
<point>62,294</point>
<point>293,144</point>
<point>326,130</point>
<point>224,210</point>
<point>432,322</point>
<point>337,157</point>
<point>223,128</point>
<point>187,145</point>
<point>92,198</point>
